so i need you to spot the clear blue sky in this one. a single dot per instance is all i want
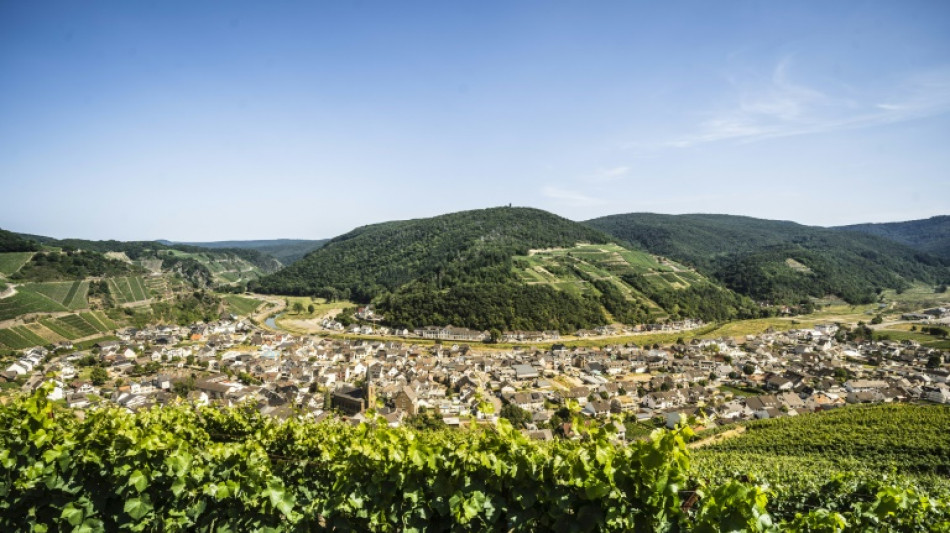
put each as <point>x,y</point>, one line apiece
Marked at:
<point>231,120</point>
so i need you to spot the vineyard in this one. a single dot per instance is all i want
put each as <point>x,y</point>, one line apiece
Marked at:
<point>810,459</point>
<point>10,262</point>
<point>26,301</point>
<point>50,330</point>
<point>241,305</point>
<point>70,294</point>
<point>127,290</point>
<point>19,338</point>
<point>189,468</point>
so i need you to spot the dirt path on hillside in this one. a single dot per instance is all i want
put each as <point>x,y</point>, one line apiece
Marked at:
<point>728,434</point>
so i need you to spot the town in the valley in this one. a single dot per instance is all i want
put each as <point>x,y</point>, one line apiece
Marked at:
<point>633,388</point>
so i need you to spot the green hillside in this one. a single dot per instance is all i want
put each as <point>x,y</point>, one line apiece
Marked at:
<point>501,268</point>
<point>629,283</point>
<point>778,261</point>
<point>11,242</point>
<point>454,268</point>
<point>71,266</point>
<point>208,267</point>
<point>931,235</point>
<point>10,262</point>
<point>444,250</point>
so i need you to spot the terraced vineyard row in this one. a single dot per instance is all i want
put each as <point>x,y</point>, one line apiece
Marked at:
<point>26,301</point>
<point>242,305</point>
<point>78,326</point>
<point>10,262</point>
<point>19,338</point>
<point>68,327</point>
<point>71,294</point>
<point>126,290</point>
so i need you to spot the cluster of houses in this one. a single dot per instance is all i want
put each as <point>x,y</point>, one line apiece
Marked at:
<point>709,381</point>
<point>458,334</point>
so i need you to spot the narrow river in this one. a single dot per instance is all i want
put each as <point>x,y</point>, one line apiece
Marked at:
<point>271,321</point>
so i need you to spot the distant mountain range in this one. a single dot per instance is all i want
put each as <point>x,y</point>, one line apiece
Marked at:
<point>286,251</point>
<point>931,235</point>
<point>523,268</point>
<point>782,261</point>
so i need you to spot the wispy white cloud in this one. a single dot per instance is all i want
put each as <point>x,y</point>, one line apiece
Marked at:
<point>570,197</point>
<point>783,107</point>
<point>607,174</point>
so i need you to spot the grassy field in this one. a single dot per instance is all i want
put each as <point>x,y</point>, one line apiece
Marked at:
<point>10,262</point>
<point>320,306</point>
<point>241,305</point>
<point>901,332</point>
<point>917,297</point>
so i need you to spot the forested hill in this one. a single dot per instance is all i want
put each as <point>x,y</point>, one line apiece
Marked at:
<point>11,242</point>
<point>778,261</point>
<point>931,235</point>
<point>444,250</point>
<point>485,269</point>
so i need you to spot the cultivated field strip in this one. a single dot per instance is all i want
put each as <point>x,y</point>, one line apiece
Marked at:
<point>10,262</point>
<point>71,294</point>
<point>26,301</point>
<point>127,290</point>
<point>20,337</point>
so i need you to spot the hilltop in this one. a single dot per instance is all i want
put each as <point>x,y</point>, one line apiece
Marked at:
<point>505,268</point>
<point>11,242</point>
<point>930,235</point>
<point>779,261</point>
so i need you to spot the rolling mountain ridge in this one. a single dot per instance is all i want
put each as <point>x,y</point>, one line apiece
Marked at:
<point>779,261</point>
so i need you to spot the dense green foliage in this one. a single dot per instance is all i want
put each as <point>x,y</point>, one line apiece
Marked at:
<point>72,265</point>
<point>190,269</point>
<point>488,306</point>
<point>474,269</point>
<point>187,309</point>
<point>203,469</point>
<point>700,300</point>
<point>11,242</point>
<point>931,235</point>
<point>751,256</point>
<point>445,250</point>
<point>831,459</point>
<point>457,266</point>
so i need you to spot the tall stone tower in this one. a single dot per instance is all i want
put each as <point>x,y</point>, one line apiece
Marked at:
<point>370,395</point>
